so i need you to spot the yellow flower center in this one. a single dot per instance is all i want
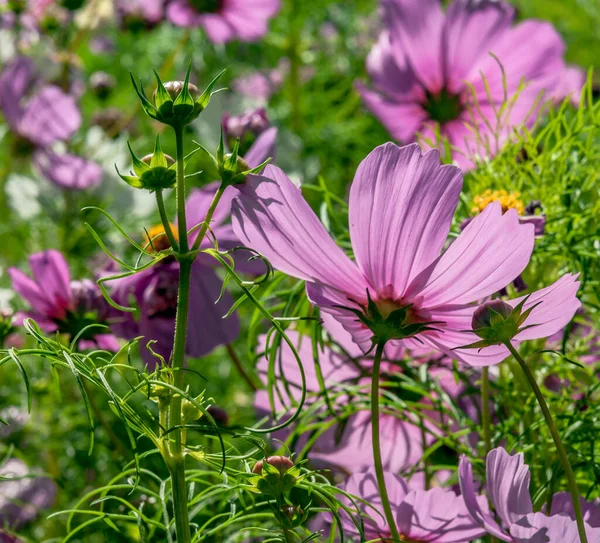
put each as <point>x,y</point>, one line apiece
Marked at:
<point>157,238</point>
<point>508,200</point>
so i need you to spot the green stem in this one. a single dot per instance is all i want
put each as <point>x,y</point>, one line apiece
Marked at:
<point>562,453</point>
<point>181,220</point>
<point>180,502</point>
<point>385,500</point>
<point>209,215</point>
<point>486,419</point>
<point>160,202</point>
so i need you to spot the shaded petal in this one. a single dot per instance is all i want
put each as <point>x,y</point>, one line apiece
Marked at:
<point>28,289</point>
<point>467,489</point>
<point>401,119</point>
<point>558,306</point>
<point>436,515</point>
<point>472,29</point>
<point>50,116</point>
<point>490,252</point>
<point>538,528</point>
<point>416,28</point>
<point>507,483</point>
<point>271,216</point>
<point>262,148</point>
<point>401,207</point>
<point>207,329</point>
<point>197,205</point>
<point>562,502</point>
<point>69,171</point>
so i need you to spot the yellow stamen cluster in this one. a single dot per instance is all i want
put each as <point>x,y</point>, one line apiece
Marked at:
<point>508,200</point>
<point>160,242</point>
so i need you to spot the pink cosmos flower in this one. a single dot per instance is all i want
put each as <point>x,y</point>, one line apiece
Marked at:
<point>350,450</point>
<point>507,485</point>
<point>225,20</point>
<point>59,304</point>
<point>437,515</point>
<point>427,65</point>
<point>400,212</point>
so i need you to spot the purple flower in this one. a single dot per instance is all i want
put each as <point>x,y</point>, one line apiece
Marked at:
<point>59,304</point>
<point>246,127</point>
<point>47,117</point>
<point>225,20</point>
<point>433,67</point>
<point>155,289</point>
<point>348,447</point>
<point>437,515</point>
<point>400,211</point>
<point>23,495</point>
<point>507,485</point>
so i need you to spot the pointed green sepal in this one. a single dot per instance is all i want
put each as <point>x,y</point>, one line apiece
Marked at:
<point>205,97</point>
<point>139,167</point>
<point>159,160</point>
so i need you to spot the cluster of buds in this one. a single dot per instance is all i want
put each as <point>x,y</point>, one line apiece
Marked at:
<point>175,103</point>
<point>156,171</point>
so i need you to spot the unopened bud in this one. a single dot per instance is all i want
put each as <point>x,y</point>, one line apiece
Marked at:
<point>148,159</point>
<point>102,84</point>
<point>189,411</point>
<point>281,463</point>
<point>240,166</point>
<point>486,315</point>
<point>220,415</point>
<point>174,89</point>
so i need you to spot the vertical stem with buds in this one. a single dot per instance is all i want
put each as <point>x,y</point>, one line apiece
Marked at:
<point>562,453</point>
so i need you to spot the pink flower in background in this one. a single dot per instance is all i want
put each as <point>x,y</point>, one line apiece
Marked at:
<point>437,515</point>
<point>46,118</point>
<point>59,304</point>
<point>138,14</point>
<point>400,212</point>
<point>351,449</point>
<point>225,20</point>
<point>427,65</point>
<point>507,486</point>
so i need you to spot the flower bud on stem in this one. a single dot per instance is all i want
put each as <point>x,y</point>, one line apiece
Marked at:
<point>562,453</point>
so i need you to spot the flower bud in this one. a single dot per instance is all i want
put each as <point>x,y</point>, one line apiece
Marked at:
<point>154,172</point>
<point>174,89</point>
<point>486,313</point>
<point>189,411</point>
<point>282,463</point>
<point>6,324</point>
<point>220,415</point>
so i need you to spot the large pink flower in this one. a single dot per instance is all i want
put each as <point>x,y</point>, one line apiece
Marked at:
<point>429,67</point>
<point>401,208</point>
<point>225,20</point>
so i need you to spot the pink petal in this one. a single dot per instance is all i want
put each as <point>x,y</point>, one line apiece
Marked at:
<point>15,80</point>
<point>401,119</point>
<point>51,272</point>
<point>218,28</point>
<point>416,28</point>
<point>271,216</point>
<point>507,483</point>
<point>472,28</point>
<point>262,148</point>
<point>401,207</point>
<point>490,252</point>
<point>467,489</point>
<point>198,203</point>
<point>29,290</point>
<point>69,171</point>
<point>570,85</point>
<point>558,306</point>
<point>562,502</point>
<point>538,528</point>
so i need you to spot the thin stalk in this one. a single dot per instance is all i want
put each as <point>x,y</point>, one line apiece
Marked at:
<point>181,220</point>
<point>562,453</point>
<point>160,202</point>
<point>385,500</point>
<point>486,419</point>
<point>209,215</point>
<point>180,502</point>
<point>240,367</point>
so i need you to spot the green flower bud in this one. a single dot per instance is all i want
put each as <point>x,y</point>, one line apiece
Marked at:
<point>495,310</point>
<point>153,172</point>
<point>176,103</point>
<point>277,474</point>
<point>189,411</point>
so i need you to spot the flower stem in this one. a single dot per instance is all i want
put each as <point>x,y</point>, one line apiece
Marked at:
<point>208,218</point>
<point>562,453</point>
<point>385,500</point>
<point>176,457</point>
<point>181,220</point>
<point>165,220</point>
<point>486,419</point>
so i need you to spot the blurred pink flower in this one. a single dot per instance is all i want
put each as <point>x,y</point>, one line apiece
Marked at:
<point>61,305</point>
<point>433,67</point>
<point>507,485</point>
<point>401,208</point>
<point>225,20</point>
